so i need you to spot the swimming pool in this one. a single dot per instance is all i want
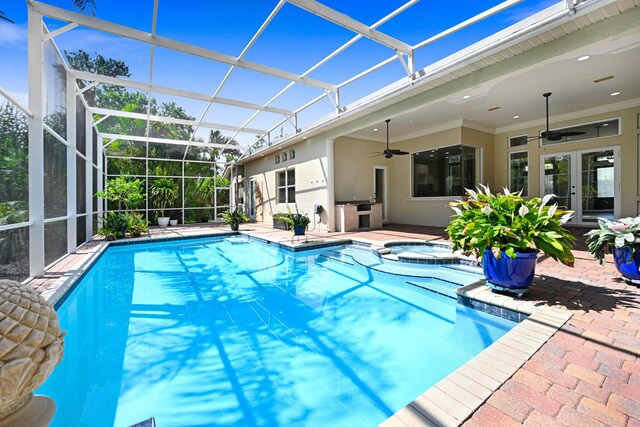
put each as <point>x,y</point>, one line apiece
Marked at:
<point>212,332</point>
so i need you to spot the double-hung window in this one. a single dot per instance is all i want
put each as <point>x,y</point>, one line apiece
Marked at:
<point>286,186</point>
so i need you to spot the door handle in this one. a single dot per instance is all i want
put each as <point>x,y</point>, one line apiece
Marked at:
<point>573,193</point>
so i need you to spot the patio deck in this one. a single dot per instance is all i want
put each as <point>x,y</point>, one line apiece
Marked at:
<point>588,373</point>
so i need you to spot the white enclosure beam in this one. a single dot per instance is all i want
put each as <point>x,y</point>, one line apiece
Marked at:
<point>328,58</point>
<point>71,172</point>
<point>167,141</point>
<point>83,75</point>
<point>464,24</point>
<point>131,33</point>
<point>59,31</point>
<point>16,103</point>
<point>255,37</point>
<point>35,57</point>
<point>358,27</point>
<point>165,119</point>
<point>88,143</point>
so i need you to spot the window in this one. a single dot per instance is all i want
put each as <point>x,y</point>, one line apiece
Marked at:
<point>277,158</point>
<point>445,171</point>
<point>519,172</point>
<point>595,130</point>
<point>517,141</point>
<point>292,154</point>
<point>284,156</point>
<point>286,183</point>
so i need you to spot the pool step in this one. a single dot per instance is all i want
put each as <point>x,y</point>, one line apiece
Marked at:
<point>466,269</point>
<point>437,286</point>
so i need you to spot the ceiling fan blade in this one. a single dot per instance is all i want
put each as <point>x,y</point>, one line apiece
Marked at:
<point>573,133</point>
<point>399,152</point>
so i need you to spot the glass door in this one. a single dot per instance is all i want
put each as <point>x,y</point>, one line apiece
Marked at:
<point>598,185</point>
<point>379,189</point>
<point>559,178</point>
<point>585,181</point>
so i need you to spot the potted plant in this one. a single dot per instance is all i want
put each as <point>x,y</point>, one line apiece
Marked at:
<point>508,232</point>
<point>622,238</point>
<point>297,222</point>
<point>164,192</point>
<point>234,219</point>
<point>136,224</point>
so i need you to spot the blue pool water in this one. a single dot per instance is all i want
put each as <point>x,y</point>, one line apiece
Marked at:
<point>211,332</point>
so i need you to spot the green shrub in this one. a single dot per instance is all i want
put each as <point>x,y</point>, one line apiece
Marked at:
<point>136,224</point>
<point>115,223</point>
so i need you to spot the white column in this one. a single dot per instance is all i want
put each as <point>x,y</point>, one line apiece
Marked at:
<point>88,138</point>
<point>331,201</point>
<point>36,145</point>
<point>101,168</point>
<point>72,180</point>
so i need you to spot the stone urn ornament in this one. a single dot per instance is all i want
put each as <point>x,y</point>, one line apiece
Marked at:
<point>31,346</point>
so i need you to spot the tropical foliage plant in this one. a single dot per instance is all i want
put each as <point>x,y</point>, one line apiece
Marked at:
<point>234,218</point>
<point>624,232</point>
<point>114,223</point>
<point>294,219</point>
<point>136,223</point>
<point>163,192</point>
<point>508,223</point>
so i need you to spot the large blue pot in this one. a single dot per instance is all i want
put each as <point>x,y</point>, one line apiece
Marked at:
<point>626,264</point>
<point>298,230</point>
<point>509,274</point>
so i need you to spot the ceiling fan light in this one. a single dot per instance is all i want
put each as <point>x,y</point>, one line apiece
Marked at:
<point>615,93</point>
<point>584,58</point>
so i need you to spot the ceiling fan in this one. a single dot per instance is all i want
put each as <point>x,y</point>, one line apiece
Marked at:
<point>389,153</point>
<point>553,135</point>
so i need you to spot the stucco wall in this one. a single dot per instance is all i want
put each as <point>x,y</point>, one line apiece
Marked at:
<point>311,181</point>
<point>354,165</point>
<point>627,141</point>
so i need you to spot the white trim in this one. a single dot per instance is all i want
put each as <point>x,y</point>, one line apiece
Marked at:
<point>56,219</point>
<point>72,165</point>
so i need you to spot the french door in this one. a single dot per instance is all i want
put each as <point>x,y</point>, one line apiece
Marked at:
<point>585,181</point>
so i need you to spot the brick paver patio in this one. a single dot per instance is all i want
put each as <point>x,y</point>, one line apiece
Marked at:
<point>587,374</point>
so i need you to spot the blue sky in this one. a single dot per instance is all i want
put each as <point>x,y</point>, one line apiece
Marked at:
<point>294,41</point>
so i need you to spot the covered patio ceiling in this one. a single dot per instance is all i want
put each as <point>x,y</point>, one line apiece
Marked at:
<point>606,80</point>
<point>281,122</point>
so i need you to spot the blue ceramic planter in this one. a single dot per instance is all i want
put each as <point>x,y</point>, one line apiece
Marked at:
<point>298,230</point>
<point>506,274</point>
<point>627,265</point>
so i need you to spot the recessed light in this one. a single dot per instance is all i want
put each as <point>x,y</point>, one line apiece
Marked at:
<point>466,97</point>
<point>584,58</point>
<point>605,124</point>
<point>615,93</point>
<point>304,137</point>
<point>375,129</point>
<point>516,116</point>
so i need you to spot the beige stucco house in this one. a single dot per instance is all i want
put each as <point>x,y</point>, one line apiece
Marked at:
<point>476,117</point>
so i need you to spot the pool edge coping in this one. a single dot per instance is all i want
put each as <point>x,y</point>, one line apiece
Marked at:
<point>455,398</point>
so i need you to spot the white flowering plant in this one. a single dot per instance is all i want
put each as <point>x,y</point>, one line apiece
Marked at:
<point>508,223</point>
<point>624,232</point>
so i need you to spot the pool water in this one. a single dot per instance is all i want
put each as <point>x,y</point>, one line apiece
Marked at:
<point>207,332</point>
<point>420,249</point>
